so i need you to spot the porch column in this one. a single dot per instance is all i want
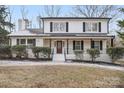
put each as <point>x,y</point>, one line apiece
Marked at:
<point>104,46</point>
<point>13,41</point>
<point>10,41</point>
<point>26,40</point>
<point>67,46</point>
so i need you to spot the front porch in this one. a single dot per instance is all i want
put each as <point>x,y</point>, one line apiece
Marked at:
<point>65,47</point>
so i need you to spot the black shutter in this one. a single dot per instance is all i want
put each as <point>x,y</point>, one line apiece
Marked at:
<point>111,42</point>
<point>51,26</point>
<point>99,26</point>
<point>67,46</point>
<point>92,44</point>
<point>82,45</point>
<point>66,26</point>
<point>101,45</point>
<point>34,42</point>
<point>73,45</point>
<point>83,26</point>
<point>17,41</point>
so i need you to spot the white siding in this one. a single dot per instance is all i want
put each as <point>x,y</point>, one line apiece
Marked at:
<point>39,42</point>
<point>13,41</point>
<point>76,26</point>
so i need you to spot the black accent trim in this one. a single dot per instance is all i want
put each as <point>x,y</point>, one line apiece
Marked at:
<point>17,41</point>
<point>99,26</point>
<point>92,44</point>
<point>67,46</point>
<point>101,45</point>
<point>51,26</point>
<point>67,26</point>
<point>82,45</point>
<point>83,26</point>
<point>73,45</point>
<point>75,18</point>
<point>34,42</point>
<point>111,42</point>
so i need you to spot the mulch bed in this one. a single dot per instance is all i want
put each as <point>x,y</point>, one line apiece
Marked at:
<point>28,59</point>
<point>98,62</point>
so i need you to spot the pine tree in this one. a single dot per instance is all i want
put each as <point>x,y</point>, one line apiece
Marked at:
<point>121,25</point>
<point>3,24</point>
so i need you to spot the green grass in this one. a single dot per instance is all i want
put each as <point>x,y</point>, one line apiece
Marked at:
<point>59,76</point>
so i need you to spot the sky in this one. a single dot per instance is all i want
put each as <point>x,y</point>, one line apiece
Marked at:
<point>35,10</point>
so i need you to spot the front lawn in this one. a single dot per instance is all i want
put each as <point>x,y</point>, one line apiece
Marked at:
<point>59,76</point>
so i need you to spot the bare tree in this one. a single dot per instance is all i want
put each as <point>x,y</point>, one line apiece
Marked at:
<point>24,12</point>
<point>94,11</point>
<point>10,14</point>
<point>51,11</point>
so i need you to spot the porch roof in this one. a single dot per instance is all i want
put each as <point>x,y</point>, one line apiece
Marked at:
<point>27,32</point>
<point>79,35</point>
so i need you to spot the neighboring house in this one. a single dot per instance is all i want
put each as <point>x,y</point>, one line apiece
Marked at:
<point>66,34</point>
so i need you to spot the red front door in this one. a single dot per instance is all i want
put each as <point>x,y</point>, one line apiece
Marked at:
<point>59,46</point>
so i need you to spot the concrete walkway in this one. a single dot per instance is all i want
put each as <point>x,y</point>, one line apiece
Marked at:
<point>33,63</point>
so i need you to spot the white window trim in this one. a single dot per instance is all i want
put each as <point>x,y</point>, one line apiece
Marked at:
<point>59,27</point>
<point>79,45</point>
<point>91,27</point>
<point>20,42</point>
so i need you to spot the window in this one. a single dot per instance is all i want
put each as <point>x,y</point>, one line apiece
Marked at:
<point>56,26</point>
<point>92,27</point>
<point>22,41</point>
<point>97,44</point>
<point>59,26</point>
<point>77,45</point>
<point>31,42</point>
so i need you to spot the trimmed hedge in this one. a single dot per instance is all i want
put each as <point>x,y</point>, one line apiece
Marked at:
<point>45,51</point>
<point>20,51</point>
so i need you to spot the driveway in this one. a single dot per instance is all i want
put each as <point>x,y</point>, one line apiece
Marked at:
<point>50,63</point>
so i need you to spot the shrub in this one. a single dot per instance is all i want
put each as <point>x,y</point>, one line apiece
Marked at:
<point>43,50</point>
<point>94,53</point>
<point>20,51</point>
<point>79,54</point>
<point>115,53</point>
<point>5,51</point>
<point>46,51</point>
<point>36,51</point>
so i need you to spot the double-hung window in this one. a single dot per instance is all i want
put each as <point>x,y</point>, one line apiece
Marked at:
<point>22,41</point>
<point>97,44</point>
<point>31,42</point>
<point>91,27</point>
<point>77,45</point>
<point>59,26</point>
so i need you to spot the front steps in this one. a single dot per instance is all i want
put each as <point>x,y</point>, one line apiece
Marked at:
<point>58,58</point>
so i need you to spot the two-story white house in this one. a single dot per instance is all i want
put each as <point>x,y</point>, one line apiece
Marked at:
<point>66,34</point>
